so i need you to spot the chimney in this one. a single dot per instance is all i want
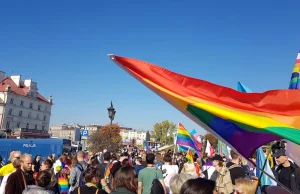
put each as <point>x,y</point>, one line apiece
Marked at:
<point>2,76</point>
<point>16,79</point>
<point>27,82</point>
<point>50,99</point>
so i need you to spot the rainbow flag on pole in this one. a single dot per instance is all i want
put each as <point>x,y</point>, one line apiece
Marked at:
<point>233,117</point>
<point>184,138</point>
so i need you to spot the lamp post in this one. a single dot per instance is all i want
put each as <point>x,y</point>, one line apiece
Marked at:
<point>111,115</point>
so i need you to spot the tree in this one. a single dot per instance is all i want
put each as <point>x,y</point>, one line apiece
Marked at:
<point>212,140</point>
<point>100,140</point>
<point>164,132</point>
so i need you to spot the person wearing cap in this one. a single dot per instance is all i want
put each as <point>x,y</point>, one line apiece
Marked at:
<point>287,172</point>
<point>223,182</point>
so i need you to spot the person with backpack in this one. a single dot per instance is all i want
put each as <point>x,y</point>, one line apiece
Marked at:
<point>150,179</point>
<point>76,179</point>
<point>235,168</point>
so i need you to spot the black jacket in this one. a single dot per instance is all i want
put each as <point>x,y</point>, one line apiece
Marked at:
<point>295,177</point>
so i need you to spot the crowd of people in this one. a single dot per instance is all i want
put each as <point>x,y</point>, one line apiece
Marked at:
<point>137,172</point>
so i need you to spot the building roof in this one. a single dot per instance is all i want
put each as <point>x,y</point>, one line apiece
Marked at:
<point>22,90</point>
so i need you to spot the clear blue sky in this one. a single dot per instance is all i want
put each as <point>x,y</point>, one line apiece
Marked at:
<point>62,45</point>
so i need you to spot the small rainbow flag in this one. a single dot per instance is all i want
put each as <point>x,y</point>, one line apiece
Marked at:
<point>295,79</point>
<point>184,138</point>
<point>233,117</point>
<point>189,156</point>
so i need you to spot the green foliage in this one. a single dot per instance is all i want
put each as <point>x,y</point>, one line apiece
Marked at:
<point>164,132</point>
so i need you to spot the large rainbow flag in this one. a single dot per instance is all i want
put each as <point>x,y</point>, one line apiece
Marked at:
<point>244,121</point>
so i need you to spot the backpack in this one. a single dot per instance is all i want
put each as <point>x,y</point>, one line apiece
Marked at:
<point>157,187</point>
<point>80,168</point>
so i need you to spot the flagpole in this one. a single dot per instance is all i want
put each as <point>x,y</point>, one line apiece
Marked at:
<point>260,176</point>
<point>175,143</point>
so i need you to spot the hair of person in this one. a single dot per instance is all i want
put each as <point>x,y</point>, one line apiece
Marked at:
<point>107,156</point>
<point>198,186</point>
<point>195,156</point>
<point>125,177</point>
<point>63,158</point>
<point>34,162</point>
<point>150,158</point>
<point>168,158</point>
<point>43,178</point>
<point>17,163</point>
<point>74,161</point>
<point>48,163</point>
<point>25,156</point>
<point>189,168</point>
<point>114,156</point>
<point>50,156</point>
<point>12,154</point>
<point>94,161</point>
<point>177,181</point>
<point>80,154</point>
<point>221,163</point>
<point>246,186</point>
<point>91,173</point>
<point>125,162</point>
<point>139,159</point>
<point>233,155</point>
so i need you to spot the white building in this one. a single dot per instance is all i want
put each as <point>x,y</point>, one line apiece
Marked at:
<point>128,135</point>
<point>21,106</point>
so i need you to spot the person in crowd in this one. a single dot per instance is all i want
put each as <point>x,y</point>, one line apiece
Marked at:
<point>90,155</point>
<point>169,170</point>
<point>47,165</point>
<point>21,178</point>
<point>177,181</point>
<point>125,162</point>
<point>76,172</point>
<point>148,174</point>
<point>236,170</point>
<point>179,161</point>
<point>50,157</point>
<point>287,172</point>
<point>105,164</point>
<point>9,168</point>
<point>198,186</point>
<point>208,171</point>
<point>94,162</point>
<point>138,165</point>
<point>58,162</point>
<point>125,181</point>
<point>189,168</point>
<point>101,157</point>
<point>91,178</point>
<point>267,189</point>
<point>36,164</point>
<point>17,164</point>
<point>63,175</point>
<point>158,161</point>
<point>244,186</point>
<point>223,182</point>
<point>43,179</point>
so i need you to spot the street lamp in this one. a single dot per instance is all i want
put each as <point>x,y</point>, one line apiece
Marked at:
<point>111,115</point>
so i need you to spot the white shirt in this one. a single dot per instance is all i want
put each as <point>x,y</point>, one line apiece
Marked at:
<point>3,184</point>
<point>171,170</point>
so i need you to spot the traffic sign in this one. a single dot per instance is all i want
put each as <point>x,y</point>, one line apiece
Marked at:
<point>84,134</point>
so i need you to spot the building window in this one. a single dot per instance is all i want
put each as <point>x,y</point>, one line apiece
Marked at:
<point>29,115</point>
<point>20,113</point>
<point>7,124</point>
<point>43,127</point>
<point>31,105</point>
<point>35,127</point>
<point>18,124</point>
<point>10,112</point>
<point>11,101</point>
<point>37,116</point>
<point>27,126</point>
<point>22,103</point>
<point>45,118</point>
<point>39,107</point>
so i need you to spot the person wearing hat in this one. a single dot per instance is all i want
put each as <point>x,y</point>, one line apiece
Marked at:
<point>223,182</point>
<point>287,172</point>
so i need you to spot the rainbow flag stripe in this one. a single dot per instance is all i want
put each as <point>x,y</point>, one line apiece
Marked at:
<point>184,138</point>
<point>295,80</point>
<point>245,121</point>
<point>189,156</point>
